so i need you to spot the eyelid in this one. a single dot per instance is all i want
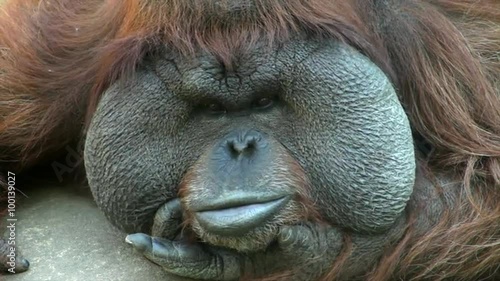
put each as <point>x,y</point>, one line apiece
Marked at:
<point>270,102</point>
<point>217,108</point>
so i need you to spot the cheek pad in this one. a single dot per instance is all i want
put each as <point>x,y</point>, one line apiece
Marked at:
<point>128,167</point>
<point>359,146</point>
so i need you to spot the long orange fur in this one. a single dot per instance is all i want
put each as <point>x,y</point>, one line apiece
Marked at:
<point>58,57</point>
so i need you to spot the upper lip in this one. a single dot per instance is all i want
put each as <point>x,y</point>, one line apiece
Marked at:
<point>233,200</point>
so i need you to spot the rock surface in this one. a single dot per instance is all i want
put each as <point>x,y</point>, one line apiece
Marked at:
<point>65,237</point>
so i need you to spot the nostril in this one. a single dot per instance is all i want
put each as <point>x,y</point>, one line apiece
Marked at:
<point>251,145</point>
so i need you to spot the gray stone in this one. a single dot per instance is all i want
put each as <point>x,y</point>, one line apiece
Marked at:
<point>65,237</point>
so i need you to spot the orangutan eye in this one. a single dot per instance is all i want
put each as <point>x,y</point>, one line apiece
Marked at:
<point>262,103</point>
<point>215,108</point>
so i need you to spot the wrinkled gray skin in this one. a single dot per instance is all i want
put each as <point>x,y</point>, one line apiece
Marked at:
<point>334,112</point>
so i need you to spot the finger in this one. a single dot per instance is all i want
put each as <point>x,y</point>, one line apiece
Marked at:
<point>11,261</point>
<point>304,250</point>
<point>20,264</point>
<point>307,238</point>
<point>187,259</point>
<point>167,220</point>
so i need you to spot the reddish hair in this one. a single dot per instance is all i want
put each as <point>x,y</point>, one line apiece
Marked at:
<point>58,57</point>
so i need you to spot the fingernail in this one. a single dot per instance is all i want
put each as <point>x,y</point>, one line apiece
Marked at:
<point>139,241</point>
<point>127,240</point>
<point>25,263</point>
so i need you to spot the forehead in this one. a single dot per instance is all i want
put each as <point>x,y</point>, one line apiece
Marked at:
<point>252,71</point>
